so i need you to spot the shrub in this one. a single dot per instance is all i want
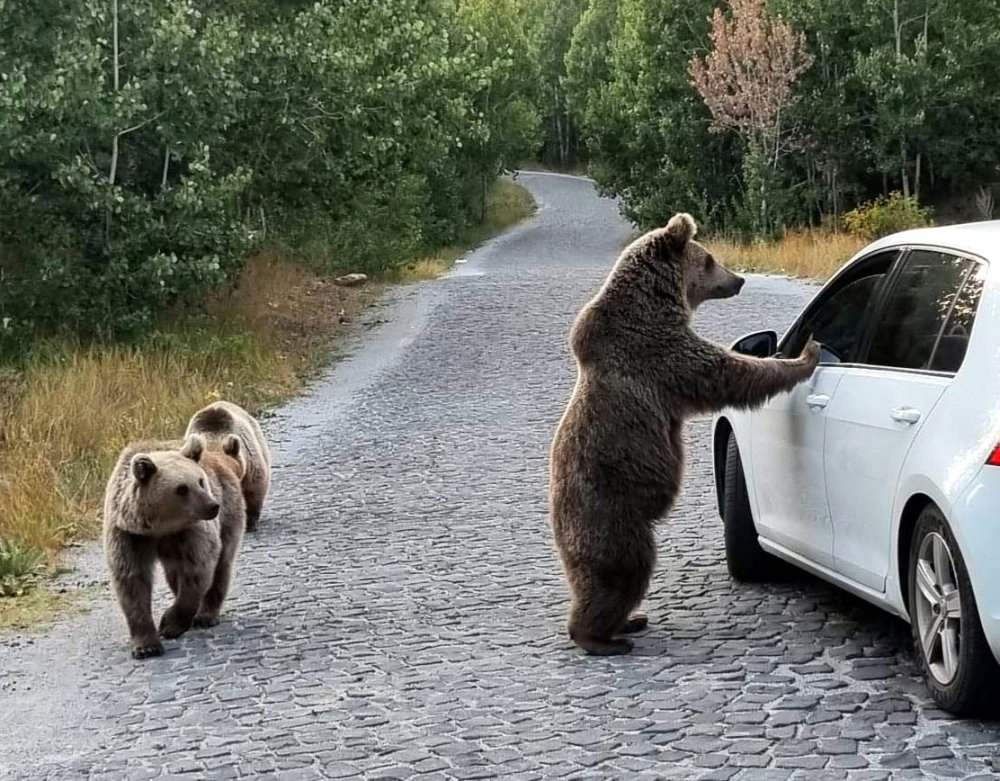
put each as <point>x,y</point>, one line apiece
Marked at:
<point>19,567</point>
<point>883,216</point>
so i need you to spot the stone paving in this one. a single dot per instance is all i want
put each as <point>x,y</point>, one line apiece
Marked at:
<point>400,612</point>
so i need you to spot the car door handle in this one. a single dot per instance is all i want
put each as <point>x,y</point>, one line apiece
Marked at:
<point>905,415</point>
<point>817,401</point>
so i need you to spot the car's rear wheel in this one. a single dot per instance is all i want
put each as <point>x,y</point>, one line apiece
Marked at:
<point>961,671</point>
<point>746,560</point>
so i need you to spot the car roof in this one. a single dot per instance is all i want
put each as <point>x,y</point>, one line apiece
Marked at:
<point>975,238</point>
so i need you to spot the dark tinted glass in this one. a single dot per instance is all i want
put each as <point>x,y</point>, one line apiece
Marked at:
<point>954,339</point>
<point>837,325</point>
<point>917,310</point>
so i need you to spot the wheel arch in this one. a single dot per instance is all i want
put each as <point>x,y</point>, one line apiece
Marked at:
<point>915,505</point>
<point>720,441</point>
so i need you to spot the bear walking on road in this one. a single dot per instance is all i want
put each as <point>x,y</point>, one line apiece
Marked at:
<point>180,504</point>
<point>617,457</point>
<point>222,419</point>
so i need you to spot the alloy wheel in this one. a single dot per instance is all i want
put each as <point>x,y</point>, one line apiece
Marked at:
<point>938,608</point>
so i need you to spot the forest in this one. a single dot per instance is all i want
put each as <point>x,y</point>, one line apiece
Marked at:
<point>149,147</point>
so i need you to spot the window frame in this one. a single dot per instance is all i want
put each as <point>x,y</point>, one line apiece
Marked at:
<point>836,284</point>
<point>891,282</point>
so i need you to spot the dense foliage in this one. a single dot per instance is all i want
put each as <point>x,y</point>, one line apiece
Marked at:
<point>897,95</point>
<point>146,146</point>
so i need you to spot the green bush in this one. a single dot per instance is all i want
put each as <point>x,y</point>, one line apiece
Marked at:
<point>19,567</point>
<point>138,172</point>
<point>883,216</point>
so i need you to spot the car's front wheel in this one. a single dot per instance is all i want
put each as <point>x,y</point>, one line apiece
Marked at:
<point>961,671</point>
<point>745,559</point>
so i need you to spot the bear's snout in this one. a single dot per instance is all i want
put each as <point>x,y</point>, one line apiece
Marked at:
<point>731,286</point>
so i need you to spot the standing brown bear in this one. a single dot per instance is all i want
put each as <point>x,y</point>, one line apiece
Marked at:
<point>617,457</point>
<point>180,504</point>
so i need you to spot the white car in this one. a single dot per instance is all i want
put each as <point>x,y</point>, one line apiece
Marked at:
<point>881,473</point>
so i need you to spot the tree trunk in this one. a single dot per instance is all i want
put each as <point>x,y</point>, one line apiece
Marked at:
<point>903,172</point>
<point>113,172</point>
<point>166,168</point>
<point>916,178</point>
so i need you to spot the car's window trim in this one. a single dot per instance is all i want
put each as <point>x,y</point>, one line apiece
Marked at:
<point>892,278</point>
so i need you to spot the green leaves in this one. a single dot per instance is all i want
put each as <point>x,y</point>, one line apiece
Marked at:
<point>128,186</point>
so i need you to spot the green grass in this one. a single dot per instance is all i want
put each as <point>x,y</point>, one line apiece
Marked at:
<point>19,568</point>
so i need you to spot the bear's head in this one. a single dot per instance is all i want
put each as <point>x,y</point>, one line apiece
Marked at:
<point>171,489</point>
<point>232,457</point>
<point>704,277</point>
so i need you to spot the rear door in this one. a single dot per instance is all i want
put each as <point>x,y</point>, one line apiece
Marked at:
<point>913,349</point>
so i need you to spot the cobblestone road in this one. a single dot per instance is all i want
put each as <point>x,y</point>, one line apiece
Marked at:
<point>400,613</point>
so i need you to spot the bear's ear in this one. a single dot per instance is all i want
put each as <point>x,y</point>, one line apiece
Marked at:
<point>680,230</point>
<point>194,446</point>
<point>143,467</point>
<point>231,446</point>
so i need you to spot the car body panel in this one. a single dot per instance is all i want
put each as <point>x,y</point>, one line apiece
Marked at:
<point>786,447</point>
<point>863,458</point>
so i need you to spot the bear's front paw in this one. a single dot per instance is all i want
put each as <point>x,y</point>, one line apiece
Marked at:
<point>810,355</point>
<point>146,649</point>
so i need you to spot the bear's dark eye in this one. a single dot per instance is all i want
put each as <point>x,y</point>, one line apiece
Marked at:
<point>201,482</point>
<point>709,262</point>
<point>182,490</point>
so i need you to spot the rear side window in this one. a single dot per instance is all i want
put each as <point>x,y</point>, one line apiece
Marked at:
<point>927,317</point>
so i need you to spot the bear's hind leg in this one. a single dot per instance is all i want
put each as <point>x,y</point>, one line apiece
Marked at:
<point>255,504</point>
<point>638,585</point>
<point>636,622</point>
<point>599,611</point>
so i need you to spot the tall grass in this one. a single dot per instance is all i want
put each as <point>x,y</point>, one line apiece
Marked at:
<point>811,254</point>
<point>72,410</point>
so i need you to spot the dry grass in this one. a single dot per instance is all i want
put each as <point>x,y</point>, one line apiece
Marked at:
<point>813,254</point>
<point>69,413</point>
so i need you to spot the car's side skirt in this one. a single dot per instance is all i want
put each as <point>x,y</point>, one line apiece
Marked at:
<point>877,598</point>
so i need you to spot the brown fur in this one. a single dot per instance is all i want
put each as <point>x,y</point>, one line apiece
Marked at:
<point>180,504</point>
<point>218,420</point>
<point>617,457</point>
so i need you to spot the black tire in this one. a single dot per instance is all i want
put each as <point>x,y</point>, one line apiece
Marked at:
<point>746,560</point>
<point>974,689</point>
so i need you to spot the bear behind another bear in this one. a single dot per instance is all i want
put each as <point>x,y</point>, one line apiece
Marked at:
<point>217,421</point>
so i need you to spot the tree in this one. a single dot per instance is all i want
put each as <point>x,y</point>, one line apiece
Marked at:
<point>748,81</point>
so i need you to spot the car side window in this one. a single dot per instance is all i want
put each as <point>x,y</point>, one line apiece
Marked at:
<point>836,320</point>
<point>928,314</point>
<point>954,340</point>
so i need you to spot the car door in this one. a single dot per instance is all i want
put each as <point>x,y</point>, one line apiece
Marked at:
<point>915,344</point>
<point>787,434</point>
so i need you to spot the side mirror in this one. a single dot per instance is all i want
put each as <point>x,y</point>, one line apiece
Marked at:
<point>762,344</point>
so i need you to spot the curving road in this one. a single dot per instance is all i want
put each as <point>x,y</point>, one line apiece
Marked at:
<point>400,612</point>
